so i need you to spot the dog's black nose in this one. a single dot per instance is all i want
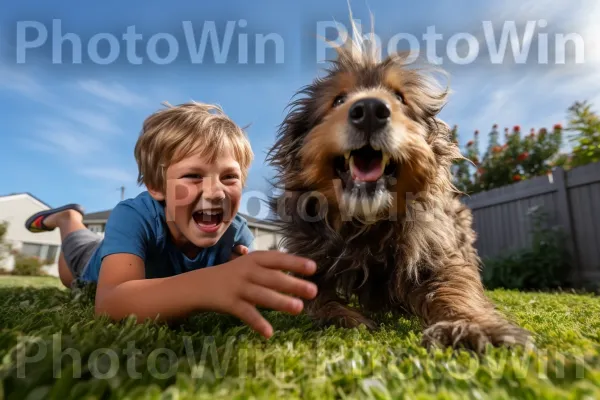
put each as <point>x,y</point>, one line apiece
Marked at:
<point>368,115</point>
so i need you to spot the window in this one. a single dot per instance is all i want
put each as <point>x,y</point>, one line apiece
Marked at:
<point>96,228</point>
<point>52,253</point>
<point>43,251</point>
<point>32,249</point>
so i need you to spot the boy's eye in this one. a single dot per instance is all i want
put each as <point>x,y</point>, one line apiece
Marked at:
<point>192,176</point>
<point>231,176</point>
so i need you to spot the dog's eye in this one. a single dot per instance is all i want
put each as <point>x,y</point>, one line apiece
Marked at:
<point>339,100</point>
<point>400,96</point>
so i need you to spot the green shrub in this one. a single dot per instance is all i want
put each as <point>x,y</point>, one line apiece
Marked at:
<point>520,157</point>
<point>544,265</point>
<point>28,266</point>
<point>586,124</point>
<point>4,245</point>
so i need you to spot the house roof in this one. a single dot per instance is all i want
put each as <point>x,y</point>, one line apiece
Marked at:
<point>97,216</point>
<point>25,194</point>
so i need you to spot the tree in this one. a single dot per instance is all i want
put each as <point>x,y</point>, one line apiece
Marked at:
<point>587,125</point>
<point>4,246</point>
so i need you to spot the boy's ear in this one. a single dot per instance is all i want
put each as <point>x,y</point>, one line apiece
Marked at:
<point>157,195</point>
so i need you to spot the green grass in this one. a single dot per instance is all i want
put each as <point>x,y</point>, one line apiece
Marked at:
<point>51,346</point>
<point>32,281</point>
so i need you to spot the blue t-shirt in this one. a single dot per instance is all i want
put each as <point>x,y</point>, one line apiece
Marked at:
<point>138,226</point>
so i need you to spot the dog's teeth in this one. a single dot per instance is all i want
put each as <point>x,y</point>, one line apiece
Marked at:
<point>385,160</point>
<point>347,159</point>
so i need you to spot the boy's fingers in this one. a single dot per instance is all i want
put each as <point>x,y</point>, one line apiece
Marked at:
<point>285,283</point>
<point>285,261</point>
<point>240,249</point>
<point>273,300</point>
<point>250,315</point>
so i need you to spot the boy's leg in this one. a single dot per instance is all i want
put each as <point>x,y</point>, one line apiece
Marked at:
<point>65,275</point>
<point>78,242</point>
<point>67,222</point>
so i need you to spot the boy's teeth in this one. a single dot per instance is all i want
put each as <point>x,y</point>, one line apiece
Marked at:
<point>208,212</point>
<point>347,155</point>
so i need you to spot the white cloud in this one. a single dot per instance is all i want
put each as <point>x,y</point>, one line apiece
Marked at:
<point>532,96</point>
<point>24,83</point>
<point>93,120</point>
<point>113,92</point>
<point>108,173</point>
<point>65,141</point>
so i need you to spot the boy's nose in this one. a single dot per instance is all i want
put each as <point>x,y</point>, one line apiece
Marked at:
<point>213,191</point>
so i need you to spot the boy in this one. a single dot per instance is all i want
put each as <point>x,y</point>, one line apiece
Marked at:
<point>152,261</point>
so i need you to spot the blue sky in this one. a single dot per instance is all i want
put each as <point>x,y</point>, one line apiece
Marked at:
<point>69,129</point>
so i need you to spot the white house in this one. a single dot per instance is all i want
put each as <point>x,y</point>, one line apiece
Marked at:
<point>265,235</point>
<point>15,209</point>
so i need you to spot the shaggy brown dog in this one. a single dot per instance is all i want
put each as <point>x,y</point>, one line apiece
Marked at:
<point>364,163</point>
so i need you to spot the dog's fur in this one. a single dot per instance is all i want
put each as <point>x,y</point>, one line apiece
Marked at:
<point>413,250</point>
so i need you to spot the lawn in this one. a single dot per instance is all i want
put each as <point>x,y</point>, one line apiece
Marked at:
<point>51,346</point>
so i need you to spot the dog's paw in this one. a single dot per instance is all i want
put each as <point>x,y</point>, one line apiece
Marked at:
<point>354,321</point>
<point>474,336</point>
<point>348,321</point>
<point>343,316</point>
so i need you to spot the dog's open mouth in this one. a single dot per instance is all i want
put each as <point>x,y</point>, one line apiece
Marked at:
<point>364,165</point>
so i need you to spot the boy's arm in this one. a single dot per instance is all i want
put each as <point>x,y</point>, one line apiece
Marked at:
<point>123,290</point>
<point>236,288</point>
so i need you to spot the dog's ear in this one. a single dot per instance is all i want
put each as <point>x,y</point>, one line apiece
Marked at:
<point>441,141</point>
<point>284,155</point>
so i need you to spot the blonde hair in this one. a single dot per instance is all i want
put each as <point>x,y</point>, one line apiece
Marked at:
<point>171,134</point>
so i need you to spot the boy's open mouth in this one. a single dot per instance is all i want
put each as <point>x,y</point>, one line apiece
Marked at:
<point>208,220</point>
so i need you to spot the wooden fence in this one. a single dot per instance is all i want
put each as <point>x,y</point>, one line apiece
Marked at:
<point>572,201</point>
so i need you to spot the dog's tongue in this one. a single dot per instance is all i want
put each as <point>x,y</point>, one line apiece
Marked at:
<point>366,169</point>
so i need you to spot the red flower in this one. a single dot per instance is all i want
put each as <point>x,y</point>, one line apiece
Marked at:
<point>517,128</point>
<point>476,133</point>
<point>522,156</point>
<point>470,143</point>
<point>543,132</point>
<point>557,126</point>
<point>517,178</point>
<point>496,149</point>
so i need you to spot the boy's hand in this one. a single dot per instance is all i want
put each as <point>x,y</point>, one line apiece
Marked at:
<point>258,279</point>
<point>239,250</point>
